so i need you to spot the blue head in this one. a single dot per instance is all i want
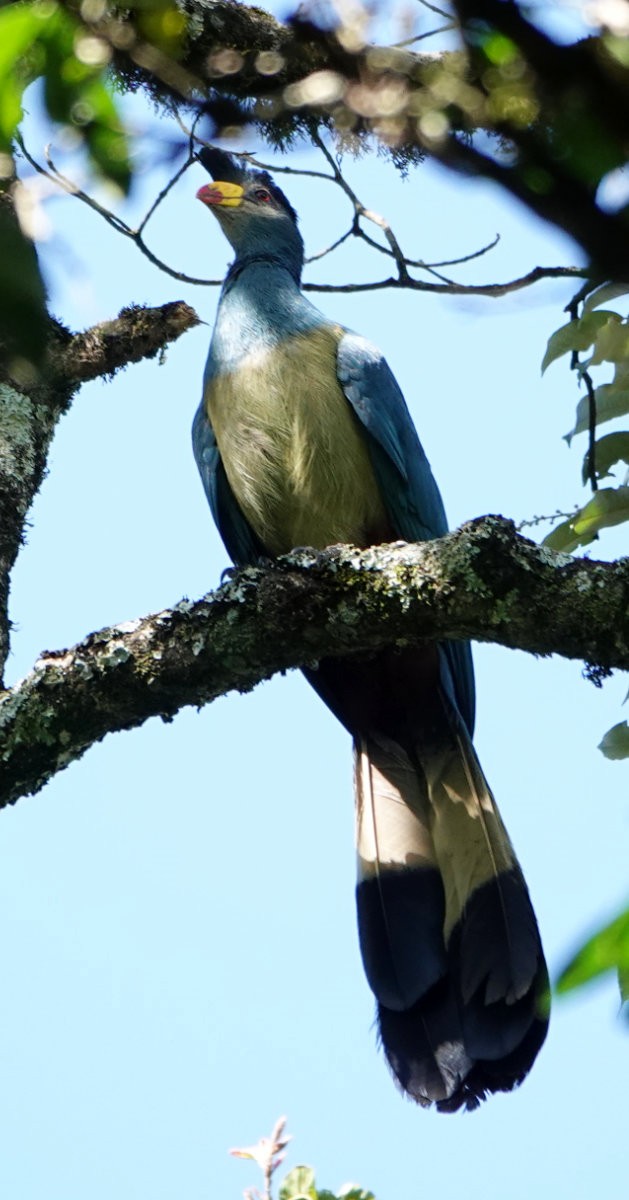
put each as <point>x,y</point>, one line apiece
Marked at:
<point>253,212</point>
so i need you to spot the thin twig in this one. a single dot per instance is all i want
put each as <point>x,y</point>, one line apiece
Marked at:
<point>420,263</point>
<point>422,37</point>
<point>439,11</point>
<point>264,166</point>
<point>456,262</point>
<point>72,188</point>
<point>542,520</point>
<point>402,280</point>
<point>361,210</point>
<point>334,246</point>
<point>164,192</point>
<point>268,1153</point>
<point>117,223</point>
<point>591,454</point>
<point>575,365</point>
<point>494,290</point>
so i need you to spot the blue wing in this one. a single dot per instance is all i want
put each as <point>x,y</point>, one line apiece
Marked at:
<point>407,485</point>
<point>241,543</point>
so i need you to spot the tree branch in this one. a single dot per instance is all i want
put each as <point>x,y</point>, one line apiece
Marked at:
<point>494,290</point>
<point>403,279</point>
<point>484,581</point>
<point>31,405</point>
<point>560,112</point>
<point>135,334</point>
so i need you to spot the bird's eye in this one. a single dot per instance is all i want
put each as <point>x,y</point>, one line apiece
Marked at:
<point>262,195</point>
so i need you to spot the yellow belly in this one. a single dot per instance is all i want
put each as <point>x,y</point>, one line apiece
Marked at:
<point>293,450</point>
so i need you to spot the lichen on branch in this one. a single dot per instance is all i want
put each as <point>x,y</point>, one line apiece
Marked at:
<point>483,581</point>
<point>32,402</point>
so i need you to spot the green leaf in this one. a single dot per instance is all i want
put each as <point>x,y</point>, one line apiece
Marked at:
<point>163,24</point>
<point>612,400</point>
<point>299,1184</point>
<point>562,538</point>
<point>351,1191</point>
<point>19,28</point>
<point>41,39</point>
<point>608,450</point>
<point>105,136</point>
<point>603,294</point>
<point>623,983</point>
<point>576,335</point>
<point>605,951</point>
<point>611,343</point>
<point>618,47</point>
<point>610,506</point>
<point>615,743</point>
<point>77,94</point>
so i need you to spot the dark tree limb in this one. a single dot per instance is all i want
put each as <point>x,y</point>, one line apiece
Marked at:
<point>242,66</point>
<point>484,581</point>
<point>31,405</point>
<point>135,334</point>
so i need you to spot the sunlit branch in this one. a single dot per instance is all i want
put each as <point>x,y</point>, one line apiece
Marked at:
<point>253,626</point>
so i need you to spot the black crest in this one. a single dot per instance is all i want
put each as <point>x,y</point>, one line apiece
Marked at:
<point>221,165</point>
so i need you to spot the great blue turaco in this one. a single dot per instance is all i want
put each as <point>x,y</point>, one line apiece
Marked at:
<point>303,438</point>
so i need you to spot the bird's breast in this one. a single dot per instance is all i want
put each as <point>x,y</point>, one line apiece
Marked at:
<point>293,450</point>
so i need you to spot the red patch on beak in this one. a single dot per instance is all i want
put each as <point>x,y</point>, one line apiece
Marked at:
<point>221,194</point>
<point>210,195</point>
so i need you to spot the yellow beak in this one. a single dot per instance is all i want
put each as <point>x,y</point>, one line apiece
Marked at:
<point>227,195</point>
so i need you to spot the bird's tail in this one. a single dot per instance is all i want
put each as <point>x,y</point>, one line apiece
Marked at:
<point>448,934</point>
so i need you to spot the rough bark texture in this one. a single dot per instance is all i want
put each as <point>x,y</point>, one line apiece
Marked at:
<point>31,405</point>
<point>483,581</point>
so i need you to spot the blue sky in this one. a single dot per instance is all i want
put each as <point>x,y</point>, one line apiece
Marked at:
<point>176,910</point>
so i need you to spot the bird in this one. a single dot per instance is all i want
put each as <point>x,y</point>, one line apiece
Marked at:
<point>303,438</point>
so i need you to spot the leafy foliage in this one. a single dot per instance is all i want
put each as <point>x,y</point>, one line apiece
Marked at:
<point>615,743</point>
<point>44,40</point>
<point>609,506</point>
<point>612,400</point>
<point>605,334</point>
<point>611,449</point>
<point>576,335</point>
<point>607,950</point>
<point>299,1184</point>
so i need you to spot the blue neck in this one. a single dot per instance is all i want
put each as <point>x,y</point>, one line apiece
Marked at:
<point>241,264</point>
<point>260,305</point>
